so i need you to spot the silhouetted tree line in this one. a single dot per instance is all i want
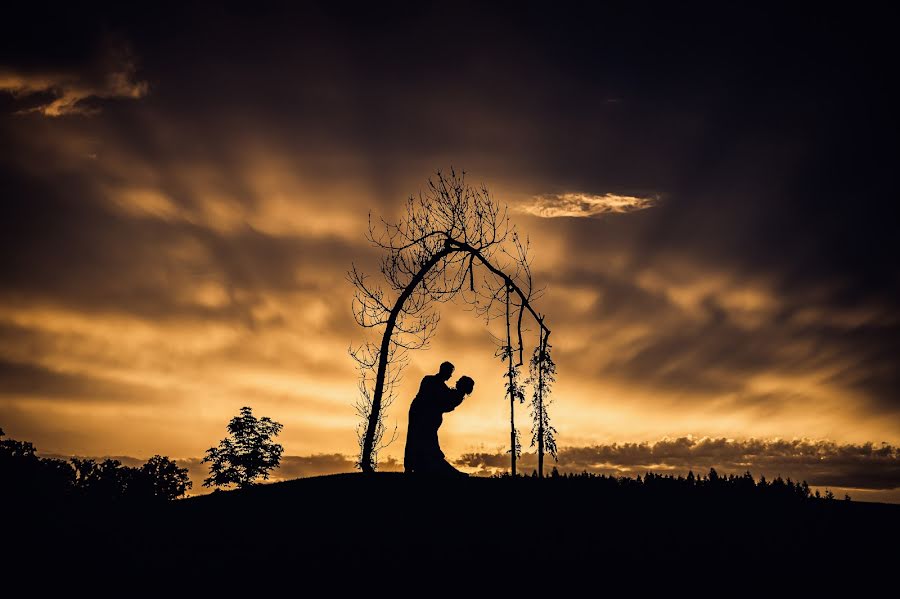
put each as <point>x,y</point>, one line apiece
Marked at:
<point>710,484</point>
<point>25,475</point>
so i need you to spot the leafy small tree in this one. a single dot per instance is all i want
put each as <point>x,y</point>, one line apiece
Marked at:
<point>248,453</point>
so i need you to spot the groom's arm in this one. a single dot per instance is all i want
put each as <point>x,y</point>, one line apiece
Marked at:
<point>450,399</point>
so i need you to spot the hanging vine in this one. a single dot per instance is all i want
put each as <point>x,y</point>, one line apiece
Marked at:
<point>542,375</point>
<point>514,390</point>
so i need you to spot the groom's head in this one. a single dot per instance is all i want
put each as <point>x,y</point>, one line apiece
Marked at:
<point>446,371</point>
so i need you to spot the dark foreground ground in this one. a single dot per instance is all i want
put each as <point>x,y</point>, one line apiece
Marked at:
<point>356,527</point>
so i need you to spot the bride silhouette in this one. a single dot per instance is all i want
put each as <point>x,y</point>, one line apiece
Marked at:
<point>423,453</point>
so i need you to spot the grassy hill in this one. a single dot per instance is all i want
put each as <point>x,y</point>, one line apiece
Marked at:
<point>389,522</point>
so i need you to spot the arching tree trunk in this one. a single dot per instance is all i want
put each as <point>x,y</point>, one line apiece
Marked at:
<point>374,416</point>
<point>512,392</point>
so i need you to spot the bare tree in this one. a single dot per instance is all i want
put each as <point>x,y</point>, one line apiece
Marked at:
<point>453,241</point>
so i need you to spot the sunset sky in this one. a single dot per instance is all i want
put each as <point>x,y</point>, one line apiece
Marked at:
<point>710,199</point>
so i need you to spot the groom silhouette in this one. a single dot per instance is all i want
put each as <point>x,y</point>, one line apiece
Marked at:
<point>423,453</point>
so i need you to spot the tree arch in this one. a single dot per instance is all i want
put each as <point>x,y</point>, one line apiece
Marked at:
<point>452,241</point>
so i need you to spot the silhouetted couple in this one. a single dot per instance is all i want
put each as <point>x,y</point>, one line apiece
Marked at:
<point>426,414</point>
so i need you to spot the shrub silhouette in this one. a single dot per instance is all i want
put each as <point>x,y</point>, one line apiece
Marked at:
<point>165,478</point>
<point>28,476</point>
<point>732,486</point>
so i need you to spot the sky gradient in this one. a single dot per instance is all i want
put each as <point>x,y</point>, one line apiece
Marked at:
<point>710,199</point>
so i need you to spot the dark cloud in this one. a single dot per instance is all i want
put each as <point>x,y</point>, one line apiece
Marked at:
<point>820,463</point>
<point>63,244</point>
<point>36,382</point>
<point>102,68</point>
<point>55,94</point>
<point>708,329</point>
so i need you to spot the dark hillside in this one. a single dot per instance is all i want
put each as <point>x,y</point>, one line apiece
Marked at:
<point>387,521</point>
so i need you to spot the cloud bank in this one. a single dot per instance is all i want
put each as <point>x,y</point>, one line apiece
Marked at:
<point>819,462</point>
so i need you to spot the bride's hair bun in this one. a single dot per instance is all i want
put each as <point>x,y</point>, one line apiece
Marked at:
<point>465,384</point>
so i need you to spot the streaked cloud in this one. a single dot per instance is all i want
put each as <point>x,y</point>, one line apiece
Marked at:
<point>58,93</point>
<point>580,205</point>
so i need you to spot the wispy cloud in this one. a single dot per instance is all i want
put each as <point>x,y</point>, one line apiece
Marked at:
<point>59,93</point>
<point>585,204</point>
